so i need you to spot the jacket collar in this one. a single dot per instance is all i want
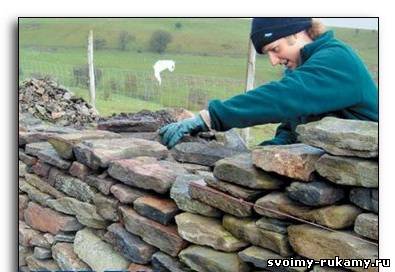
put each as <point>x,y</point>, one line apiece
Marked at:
<point>311,48</point>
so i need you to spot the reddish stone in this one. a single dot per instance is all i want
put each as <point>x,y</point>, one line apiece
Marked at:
<point>41,168</point>
<point>156,208</point>
<point>126,194</point>
<point>139,268</point>
<point>79,170</point>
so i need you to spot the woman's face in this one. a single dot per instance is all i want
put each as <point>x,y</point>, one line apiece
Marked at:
<point>284,51</point>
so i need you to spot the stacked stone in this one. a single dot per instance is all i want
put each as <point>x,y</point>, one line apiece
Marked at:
<point>113,201</point>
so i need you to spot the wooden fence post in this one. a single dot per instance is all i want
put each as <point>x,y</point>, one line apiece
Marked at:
<point>92,91</point>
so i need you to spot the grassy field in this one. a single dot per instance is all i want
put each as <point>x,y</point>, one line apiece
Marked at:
<point>210,57</point>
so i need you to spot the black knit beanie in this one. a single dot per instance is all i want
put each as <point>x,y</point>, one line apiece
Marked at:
<point>266,30</point>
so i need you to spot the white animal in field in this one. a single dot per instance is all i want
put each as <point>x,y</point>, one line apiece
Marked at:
<point>162,65</point>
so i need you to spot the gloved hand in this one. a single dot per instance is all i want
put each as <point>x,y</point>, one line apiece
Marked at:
<point>172,133</point>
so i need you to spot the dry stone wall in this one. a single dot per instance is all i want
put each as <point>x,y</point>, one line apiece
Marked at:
<point>104,200</point>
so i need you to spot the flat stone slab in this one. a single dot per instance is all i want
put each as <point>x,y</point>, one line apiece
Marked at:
<point>99,255</point>
<point>181,195</point>
<point>232,189</point>
<point>127,194</point>
<point>342,137</point>
<point>259,258</point>
<point>35,264</point>
<point>64,143</point>
<point>26,234</point>
<point>278,205</point>
<point>163,262</point>
<point>48,220</point>
<point>294,160</point>
<point>42,253</point>
<point>107,207</point>
<point>365,198</point>
<point>201,258</point>
<point>33,193</point>
<point>67,237</point>
<point>51,157</point>
<point>99,153</point>
<point>66,258</point>
<point>247,230</point>
<point>314,243</point>
<point>202,153</point>
<point>86,213</point>
<point>129,245</point>
<point>41,168</point>
<point>43,186</point>
<point>79,170</point>
<point>367,225</point>
<point>34,148</point>
<point>240,170</point>
<point>349,171</point>
<point>207,231</point>
<point>146,173</point>
<point>102,182</point>
<point>160,209</point>
<point>315,193</point>
<point>22,169</point>
<point>220,200</point>
<point>74,187</point>
<point>28,160</point>
<point>273,224</point>
<point>166,238</point>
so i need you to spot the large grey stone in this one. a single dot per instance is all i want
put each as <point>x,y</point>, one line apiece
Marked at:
<point>34,148</point>
<point>42,253</point>
<point>202,153</point>
<point>33,193</point>
<point>146,173</point>
<point>367,225</point>
<point>64,143</point>
<point>342,137</point>
<point>162,262</point>
<point>107,207</point>
<point>41,265</point>
<point>66,258</point>
<point>294,160</point>
<point>204,259</point>
<point>102,182</point>
<point>51,157</point>
<point>240,170</point>
<point>278,205</point>
<point>43,185</point>
<point>365,198</point>
<point>207,231</point>
<point>349,171</point>
<point>74,187</point>
<point>127,194</point>
<point>166,238</point>
<point>247,230</point>
<point>180,194</point>
<point>99,153</point>
<point>273,224</point>
<point>317,243</point>
<point>315,193</point>
<point>99,255</point>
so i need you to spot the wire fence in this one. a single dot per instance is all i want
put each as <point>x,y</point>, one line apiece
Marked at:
<point>177,90</point>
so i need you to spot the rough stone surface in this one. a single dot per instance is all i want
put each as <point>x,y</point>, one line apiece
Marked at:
<point>342,137</point>
<point>23,200</point>
<point>33,193</point>
<point>139,268</point>
<point>273,224</point>
<point>78,170</point>
<point>315,243</point>
<point>42,240</point>
<point>129,245</point>
<point>102,182</point>
<point>64,143</point>
<point>162,262</point>
<point>367,225</point>
<point>202,153</point>
<point>66,258</point>
<point>201,258</point>
<point>315,193</point>
<point>42,253</point>
<point>99,153</point>
<point>220,200</point>
<point>230,188</point>
<point>43,186</point>
<point>180,194</point>
<point>34,148</point>
<point>48,220</point>
<point>74,187</point>
<point>365,198</point>
<point>161,210</point>
<point>22,169</point>
<point>107,207</point>
<point>51,157</point>
<point>247,230</point>
<point>349,171</point>
<point>207,231</point>
<point>28,160</point>
<point>98,254</point>
<point>41,265</point>
<point>67,237</point>
<point>146,173</point>
<point>23,252</point>
<point>294,160</point>
<point>336,216</point>
<point>126,194</point>
<point>240,170</point>
<point>26,234</point>
<point>86,213</point>
<point>166,238</point>
<point>41,168</point>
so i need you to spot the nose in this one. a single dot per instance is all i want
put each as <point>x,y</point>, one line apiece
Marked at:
<point>274,60</point>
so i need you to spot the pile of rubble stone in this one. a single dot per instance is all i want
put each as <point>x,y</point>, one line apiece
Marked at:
<point>48,101</point>
<point>100,200</point>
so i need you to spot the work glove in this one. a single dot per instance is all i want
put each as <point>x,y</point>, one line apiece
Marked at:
<point>172,133</point>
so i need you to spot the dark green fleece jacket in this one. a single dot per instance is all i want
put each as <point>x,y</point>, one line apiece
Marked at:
<point>331,81</point>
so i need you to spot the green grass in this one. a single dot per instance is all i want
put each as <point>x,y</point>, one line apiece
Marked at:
<point>210,57</point>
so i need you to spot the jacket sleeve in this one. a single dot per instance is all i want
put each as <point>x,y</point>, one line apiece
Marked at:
<point>324,83</point>
<point>285,134</point>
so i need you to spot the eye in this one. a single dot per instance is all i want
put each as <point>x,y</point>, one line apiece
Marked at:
<point>276,49</point>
